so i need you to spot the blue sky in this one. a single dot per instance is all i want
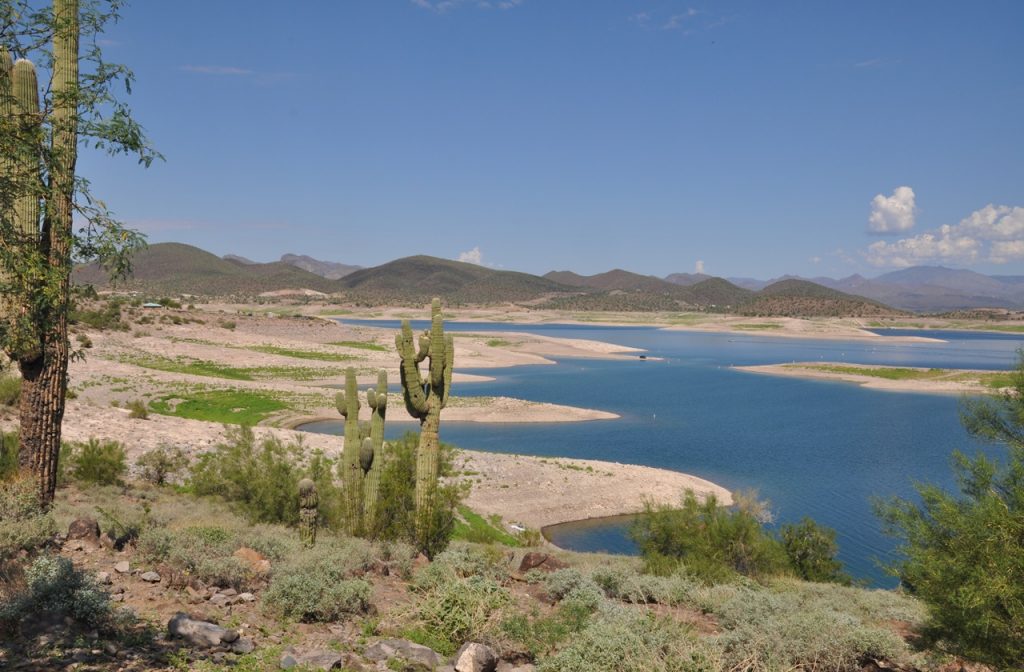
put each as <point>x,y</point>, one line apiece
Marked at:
<point>759,138</point>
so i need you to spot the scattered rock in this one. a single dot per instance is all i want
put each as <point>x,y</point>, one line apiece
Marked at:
<point>229,636</point>
<point>230,592</point>
<point>75,545</point>
<point>194,596</point>
<point>103,578</point>
<point>247,597</point>
<point>243,645</point>
<point>86,529</point>
<point>317,659</point>
<point>403,648</point>
<point>107,541</point>
<point>150,577</point>
<point>219,600</point>
<point>122,567</point>
<point>474,657</point>
<point>110,648</point>
<point>257,562</point>
<point>541,561</point>
<point>198,633</point>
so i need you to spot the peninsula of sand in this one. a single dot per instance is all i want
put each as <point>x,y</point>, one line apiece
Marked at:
<point>894,378</point>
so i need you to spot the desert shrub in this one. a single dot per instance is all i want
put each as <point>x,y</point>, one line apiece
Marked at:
<point>161,464</point>
<point>713,542</point>
<point>322,584</point>
<point>619,639</point>
<point>202,551</point>
<point>396,509</point>
<point>10,390</point>
<point>227,324</point>
<point>8,454</point>
<point>960,553</point>
<point>541,635</point>
<point>453,612</point>
<point>95,461</point>
<point>460,562</point>
<point>790,628</point>
<point>811,549</point>
<point>138,410</point>
<point>54,586</point>
<point>23,525</point>
<point>105,316</point>
<point>262,477</point>
<point>622,584</point>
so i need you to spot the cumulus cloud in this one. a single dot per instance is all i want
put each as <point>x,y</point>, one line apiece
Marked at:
<point>893,214</point>
<point>993,234</point>
<point>474,256</point>
<point>699,266</point>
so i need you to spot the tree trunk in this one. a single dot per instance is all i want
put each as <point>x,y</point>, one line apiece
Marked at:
<point>45,378</point>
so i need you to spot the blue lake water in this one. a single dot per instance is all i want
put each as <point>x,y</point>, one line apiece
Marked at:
<point>817,448</point>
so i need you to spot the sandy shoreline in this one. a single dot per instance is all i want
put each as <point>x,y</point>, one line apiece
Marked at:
<point>958,381</point>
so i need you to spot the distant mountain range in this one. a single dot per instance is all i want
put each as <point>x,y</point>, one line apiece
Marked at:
<point>175,268</point>
<point>932,289</point>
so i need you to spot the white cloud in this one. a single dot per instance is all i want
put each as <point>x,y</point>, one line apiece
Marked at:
<point>994,234</point>
<point>442,6</point>
<point>893,214</point>
<point>676,20</point>
<point>216,70</point>
<point>815,260</point>
<point>699,266</point>
<point>474,256</point>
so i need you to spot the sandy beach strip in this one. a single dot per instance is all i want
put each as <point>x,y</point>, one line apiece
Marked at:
<point>954,381</point>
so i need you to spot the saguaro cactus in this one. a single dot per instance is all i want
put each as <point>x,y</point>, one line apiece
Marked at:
<point>363,456</point>
<point>372,455</point>
<point>308,502</point>
<point>351,469</point>
<point>424,400</point>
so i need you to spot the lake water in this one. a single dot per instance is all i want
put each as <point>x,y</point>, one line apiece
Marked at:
<point>817,448</point>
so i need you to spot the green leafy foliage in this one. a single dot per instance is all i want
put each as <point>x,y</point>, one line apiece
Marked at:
<point>161,464</point>
<point>713,542</point>
<point>23,524</point>
<point>10,390</point>
<point>811,550</point>
<point>318,585</point>
<point>95,461</point>
<point>138,410</point>
<point>53,586</point>
<point>8,454</point>
<point>961,553</point>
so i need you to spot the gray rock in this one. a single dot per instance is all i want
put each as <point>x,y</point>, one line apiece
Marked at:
<point>103,578</point>
<point>243,645</point>
<point>122,567</point>
<point>219,600</point>
<point>86,529</point>
<point>107,542</point>
<point>230,592</point>
<point>317,659</point>
<point>474,657</point>
<point>403,648</point>
<point>229,636</point>
<point>150,577</point>
<point>198,633</point>
<point>247,597</point>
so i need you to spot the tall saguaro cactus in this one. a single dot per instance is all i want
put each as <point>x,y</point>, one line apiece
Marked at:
<point>425,399</point>
<point>308,513</point>
<point>362,458</point>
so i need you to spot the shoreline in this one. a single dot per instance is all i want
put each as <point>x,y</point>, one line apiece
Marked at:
<point>948,381</point>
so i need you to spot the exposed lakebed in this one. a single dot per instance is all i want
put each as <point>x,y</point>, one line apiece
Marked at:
<point>817,448</point>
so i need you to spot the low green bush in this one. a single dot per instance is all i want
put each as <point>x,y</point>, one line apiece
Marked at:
<point>811,550</point>
<point>23,525</point>
<point>204,552</point>
<point>55,587</point>
<point>161,464</point>
<point>713,542</point>
<point>451,613</point>
<point>10,390</point>
<point>620,639</point>
<point>95,461</point>
<point>138,410</point>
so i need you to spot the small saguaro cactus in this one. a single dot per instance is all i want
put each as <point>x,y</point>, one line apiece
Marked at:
<point>308,502</point>
<point>424,400</point>
<point>371,458</point>
<point>362,459</point>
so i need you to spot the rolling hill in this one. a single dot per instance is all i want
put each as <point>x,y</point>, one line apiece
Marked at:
<point>803,298</point>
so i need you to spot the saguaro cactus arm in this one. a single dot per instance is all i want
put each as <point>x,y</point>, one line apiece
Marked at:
<point>412,382</point>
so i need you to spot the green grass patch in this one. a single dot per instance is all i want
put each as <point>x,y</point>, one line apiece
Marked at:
<point>757,327</point>
<point>360,344</point>
<point>235,407</point>
<point>471,526</point>
<point>200,367</point>
<point>994,380</point>
<point>302,354</point>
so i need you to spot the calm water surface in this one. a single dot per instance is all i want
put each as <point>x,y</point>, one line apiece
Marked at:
<point>816,448</point>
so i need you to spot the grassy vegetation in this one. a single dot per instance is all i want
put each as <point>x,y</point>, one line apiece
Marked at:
<point>360,345</point>
<point>473,527</point>
<point>199,367</point>
<point>994,380</point>
<point>229,406</point>
<point>761,326</point>
<point>303,354</point>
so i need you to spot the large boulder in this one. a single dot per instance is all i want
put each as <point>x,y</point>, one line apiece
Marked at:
<point>85,529</point>
<point>541,561</point>
<point>474,657</point>
<point>386,649</point>
<point>196,632</point>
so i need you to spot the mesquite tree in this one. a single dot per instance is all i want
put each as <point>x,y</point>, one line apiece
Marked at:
<point>41,194</point>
